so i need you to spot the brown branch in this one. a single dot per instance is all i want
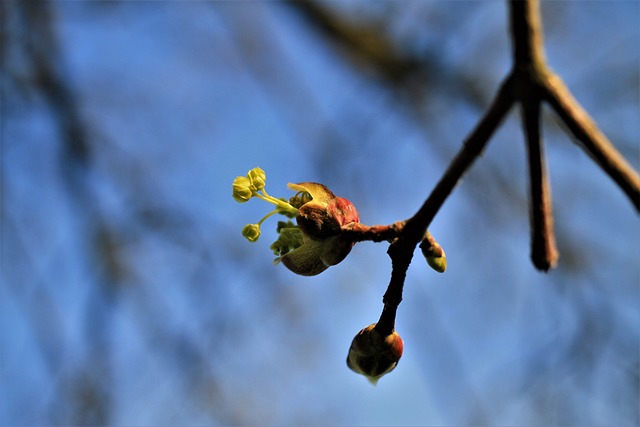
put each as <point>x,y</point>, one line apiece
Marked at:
<point>544,253</point>
<point>471,150</point>
<point>528,70</point>
<point>592,140</point>
<point>526,34</point>
<point>357,232</point>
<point>528,83</point>
<point>529,59</point>
<point>402,248</point>
<point>401,255</point>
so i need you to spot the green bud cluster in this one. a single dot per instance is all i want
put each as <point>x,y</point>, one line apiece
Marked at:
<point>253,185</point>
<point>251,232</point>
<point>242,191</point>
<point>246,187</point>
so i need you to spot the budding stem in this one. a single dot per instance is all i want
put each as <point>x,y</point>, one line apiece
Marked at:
<point>282,205</point>
<point>273,212</point>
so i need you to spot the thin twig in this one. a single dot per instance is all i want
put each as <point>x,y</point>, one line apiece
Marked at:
<point>402,249</point>
<point>592,140</point>
<point>529,69</point>
<point>471,150</point>
<point>529,83</point>
<point>357,232</point>
<point>544,253</point>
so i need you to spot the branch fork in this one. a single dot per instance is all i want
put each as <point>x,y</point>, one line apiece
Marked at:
<point>530,83</point>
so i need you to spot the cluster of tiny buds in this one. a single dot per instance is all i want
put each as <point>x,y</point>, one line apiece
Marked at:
<point>253,185</point>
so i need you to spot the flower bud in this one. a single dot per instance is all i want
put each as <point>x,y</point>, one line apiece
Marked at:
<point>437,259</point>
<point>321,218</point>
<point>251,232</point>
<point>320,221</point>
<point>343,211</point>
<point>373,354</point>
<point>242,189</point>
<point>257,177</point>
<point>433,253</point>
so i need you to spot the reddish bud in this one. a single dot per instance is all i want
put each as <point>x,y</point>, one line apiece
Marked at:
<point>321,221</point>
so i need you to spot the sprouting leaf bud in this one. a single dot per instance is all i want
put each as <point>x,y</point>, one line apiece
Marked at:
<point>289,238</point>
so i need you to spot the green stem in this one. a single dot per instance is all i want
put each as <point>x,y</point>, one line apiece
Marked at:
<point>282,205</point>
<point>273,212</point>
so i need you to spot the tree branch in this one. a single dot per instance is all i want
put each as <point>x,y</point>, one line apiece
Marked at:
<point>526,33</point>
<point>401,249</point>
<point>529,69</point>
<point>592,140</point>
<point>544,253</point>
<point>472,148</point>
<point>529,59</point>
<point>358,232</point>
<point>529,82</point>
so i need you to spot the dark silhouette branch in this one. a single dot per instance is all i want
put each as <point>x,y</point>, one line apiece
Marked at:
<point>471,150</point>
<point>526,34</point>
<point>592,140</point>
<point>544,253</point>
<point>406,235</point>
<point>529,83</point>
<point>402,248</point>
<point>528,70</point>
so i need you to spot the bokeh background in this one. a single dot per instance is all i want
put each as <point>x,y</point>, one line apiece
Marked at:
<point>129,297</point>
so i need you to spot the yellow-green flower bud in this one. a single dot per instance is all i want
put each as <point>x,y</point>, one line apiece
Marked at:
<point>438,259</point>
<point>257,177</point>
<point>251,232</point>
<point>242,191</point>
<point>433,253</point>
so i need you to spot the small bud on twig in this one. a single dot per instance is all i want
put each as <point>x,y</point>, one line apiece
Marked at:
<point>373,354</point>
<point>433,253</point>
